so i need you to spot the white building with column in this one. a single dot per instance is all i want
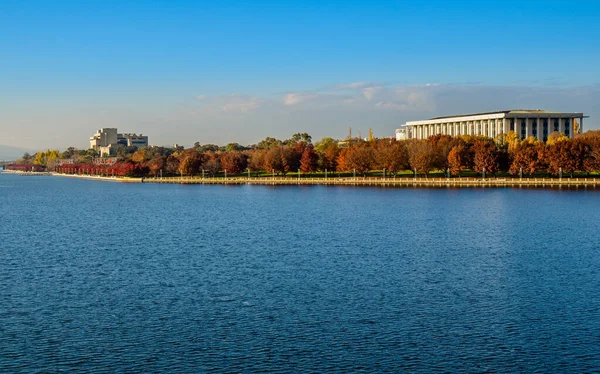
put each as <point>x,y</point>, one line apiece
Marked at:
<point>524,122</point>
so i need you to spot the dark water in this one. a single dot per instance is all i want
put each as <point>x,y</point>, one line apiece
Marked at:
<point>100,276</point>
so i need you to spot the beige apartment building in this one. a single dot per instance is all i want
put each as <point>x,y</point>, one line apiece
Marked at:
<point>524,122</point>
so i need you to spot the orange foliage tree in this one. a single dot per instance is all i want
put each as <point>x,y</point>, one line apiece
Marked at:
<point>485,156</point>
<point>422,156</point>
<point>391,155</point>
<point>459,159</point>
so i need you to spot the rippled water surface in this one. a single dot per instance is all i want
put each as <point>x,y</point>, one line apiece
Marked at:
<point>101,276</point>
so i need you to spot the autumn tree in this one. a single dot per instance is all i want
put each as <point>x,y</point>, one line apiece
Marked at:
<point>512,141</point>
<point>290,159</point>
<point>282,159</point>
<point>140,156</point>
<point>556,137</point>
<point>591,162</point>
<point>156,164</point>
<point>328,159</point>
<point>391,155</point>
<point>566,156</point>
<point>358,157</point>
<point>485,156</point>
<point>459,158</point>
<point>211,163</point>
<point>172,164</point>
<point>309,161</point>
<point>256,159</point>
<point>526,157</point>
<point>442,145</point>
<point>422,156</point>
<point>274,160</point>
<point>39,158</point>
<point>189,162</point>
<point>234,162</point>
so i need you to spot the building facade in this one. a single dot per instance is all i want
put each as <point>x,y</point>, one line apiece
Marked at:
<point>106,140</point>
<point>525,123</point>
<point>401,134</point>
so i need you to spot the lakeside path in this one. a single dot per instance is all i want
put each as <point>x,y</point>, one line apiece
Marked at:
<point>394,182</point>
<point>591,183</point>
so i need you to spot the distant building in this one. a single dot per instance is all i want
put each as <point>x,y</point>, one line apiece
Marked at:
<point>401,134</point>
<point>105,161</point>
<point>525,122</point>
<point>106,140</point>
<point>68,161</point>
<point>132,140</point>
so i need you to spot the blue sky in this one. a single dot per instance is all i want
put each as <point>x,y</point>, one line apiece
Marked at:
<point>186,71</point>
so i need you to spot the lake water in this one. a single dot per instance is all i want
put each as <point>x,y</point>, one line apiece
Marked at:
<point>100,276</point>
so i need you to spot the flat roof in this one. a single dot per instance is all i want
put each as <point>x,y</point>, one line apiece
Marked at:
<point>512,111</point>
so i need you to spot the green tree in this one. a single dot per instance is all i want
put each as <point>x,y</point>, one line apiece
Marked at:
<point>299,137</point>
<point>269,143</point>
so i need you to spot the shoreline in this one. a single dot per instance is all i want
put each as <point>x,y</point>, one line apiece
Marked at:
<point>100,178</point>
<point>362,182</point>
<point>406,182</point>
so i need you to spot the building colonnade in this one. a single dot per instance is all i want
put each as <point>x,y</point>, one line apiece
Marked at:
<point>538,127</point>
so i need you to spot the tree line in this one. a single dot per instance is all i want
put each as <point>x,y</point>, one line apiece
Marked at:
<point>505,154</point>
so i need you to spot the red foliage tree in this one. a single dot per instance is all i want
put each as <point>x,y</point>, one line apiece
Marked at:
<point>234,162</point>
<point>359,157</point>
<point>282,159</point>
<point>329,158</point>
<point>212,163</point>
<point>309,160</point>
<point>485,156</point>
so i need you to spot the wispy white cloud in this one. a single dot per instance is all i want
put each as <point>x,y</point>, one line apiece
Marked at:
<point>242,107</point>
<point>242,104</point>
<point>296,98</point>
<point>369,92</point>
<point>201,97</point>
<point>391,105</point>
<point>350,86</point>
